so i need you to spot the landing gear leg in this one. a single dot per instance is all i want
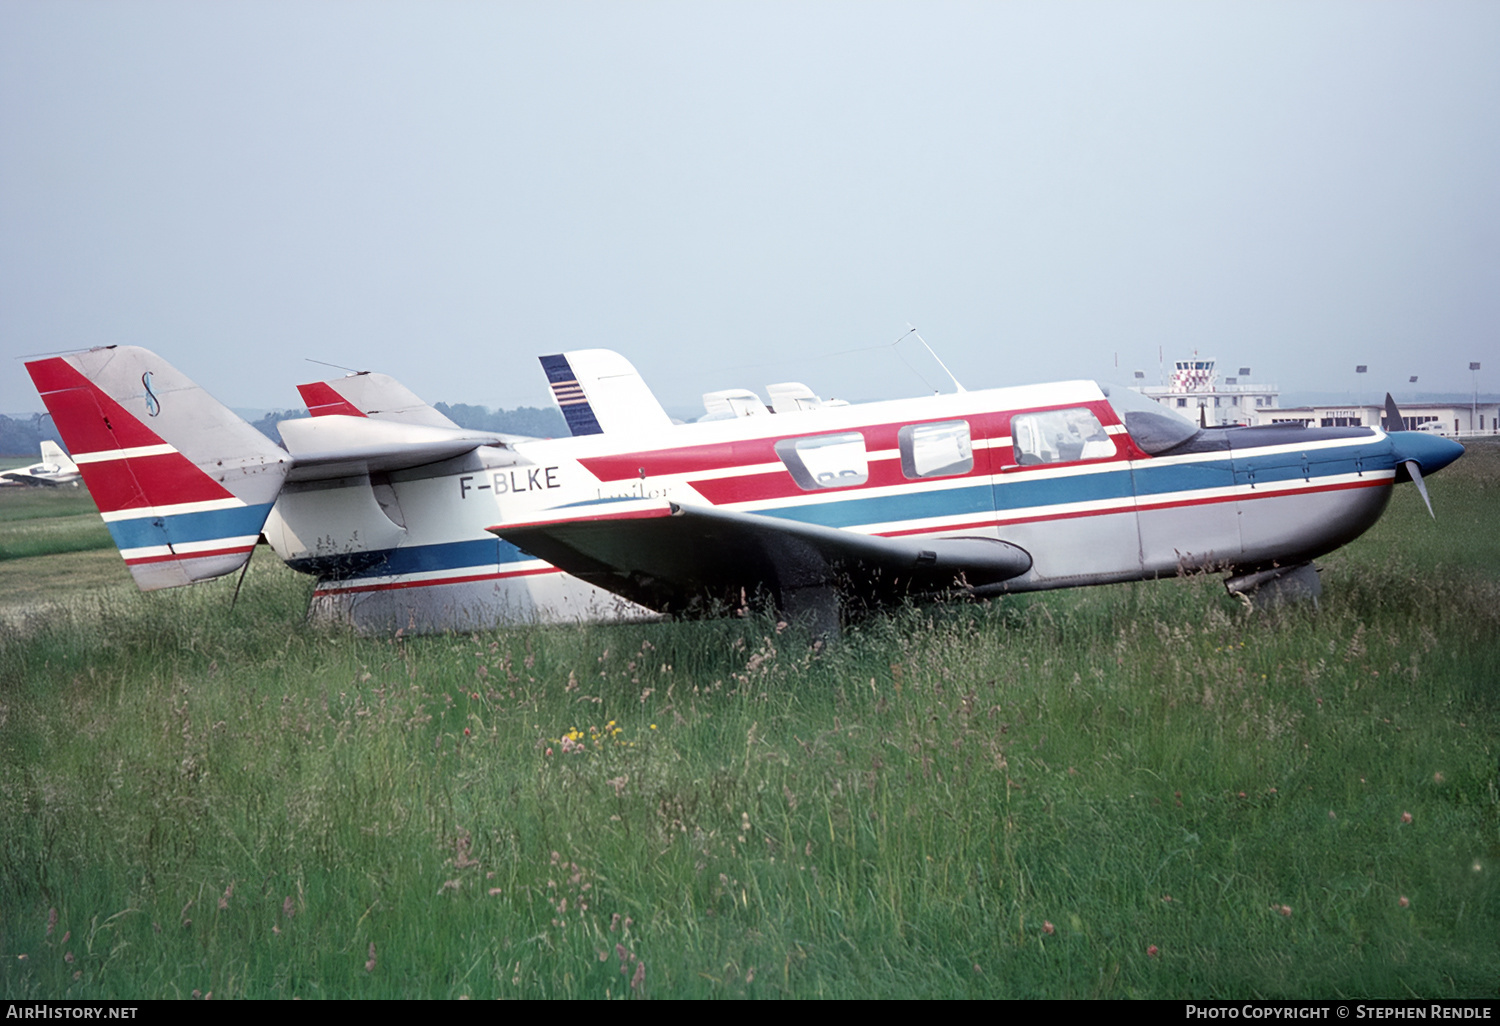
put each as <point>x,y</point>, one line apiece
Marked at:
<point>815,607</point>
<point>1267,589</point>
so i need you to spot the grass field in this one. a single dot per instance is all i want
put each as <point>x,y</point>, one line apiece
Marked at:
<point>44,521</point>
<point>1133,791</point>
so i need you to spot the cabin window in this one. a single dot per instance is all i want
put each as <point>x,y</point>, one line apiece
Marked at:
<point>1059,436</point>
<point>826,461</point>
<point>935,450</point>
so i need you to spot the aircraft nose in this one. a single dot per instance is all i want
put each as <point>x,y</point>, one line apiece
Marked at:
<point>1431,452</point>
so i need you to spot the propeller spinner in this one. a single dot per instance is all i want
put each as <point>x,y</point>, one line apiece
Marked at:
<point>1416,450</point>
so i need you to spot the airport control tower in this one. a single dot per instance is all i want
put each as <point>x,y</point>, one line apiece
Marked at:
<point>1195,391</point>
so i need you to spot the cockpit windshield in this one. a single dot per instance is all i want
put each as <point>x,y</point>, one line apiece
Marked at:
<point>1154,427</point>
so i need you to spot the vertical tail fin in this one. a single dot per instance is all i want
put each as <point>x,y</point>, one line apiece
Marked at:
<point>183,484</point>
<point>53,456</point>
<point>368,394</point>
<point>599,391</point>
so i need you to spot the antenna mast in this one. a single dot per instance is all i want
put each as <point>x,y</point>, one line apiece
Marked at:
<point>935,356</point>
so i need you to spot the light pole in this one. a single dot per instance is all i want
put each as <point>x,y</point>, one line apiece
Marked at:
<point>1474,409</point>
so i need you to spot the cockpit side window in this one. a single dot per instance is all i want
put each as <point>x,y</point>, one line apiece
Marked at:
<point>1059,436</point>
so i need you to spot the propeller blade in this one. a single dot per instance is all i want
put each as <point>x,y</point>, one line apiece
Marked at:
<point>1415,471</point>
<point>1393,419</point>
<point>1395,422</point>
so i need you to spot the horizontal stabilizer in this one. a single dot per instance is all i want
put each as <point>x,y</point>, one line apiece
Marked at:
<point>343,446</point>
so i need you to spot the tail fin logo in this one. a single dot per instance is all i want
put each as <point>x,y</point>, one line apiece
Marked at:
<point>153,404</point>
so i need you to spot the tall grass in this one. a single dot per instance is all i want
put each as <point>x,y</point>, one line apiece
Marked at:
<point>1144,790</point>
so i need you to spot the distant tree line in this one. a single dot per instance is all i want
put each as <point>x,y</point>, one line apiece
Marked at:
<point>24,437</point>
<point>523,420</point>
<point>267,424</point>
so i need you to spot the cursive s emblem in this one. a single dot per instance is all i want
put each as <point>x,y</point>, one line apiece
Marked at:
<point>153,404</point>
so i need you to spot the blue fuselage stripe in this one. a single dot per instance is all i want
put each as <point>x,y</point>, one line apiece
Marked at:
<point>914,506</point>
<point>1113,482</point>
<point>418,559</point>
<point>179,528</point>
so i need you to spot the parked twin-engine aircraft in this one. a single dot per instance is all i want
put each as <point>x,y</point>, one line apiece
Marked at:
<point>55,469</point>
<point>409,521</point>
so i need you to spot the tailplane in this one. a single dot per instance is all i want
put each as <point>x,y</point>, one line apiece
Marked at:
<point>183,484</point>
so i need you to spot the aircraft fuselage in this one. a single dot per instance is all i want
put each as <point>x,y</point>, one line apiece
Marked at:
<point>1049,468</point>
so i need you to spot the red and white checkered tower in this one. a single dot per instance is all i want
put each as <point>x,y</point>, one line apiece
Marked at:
<point>1193,375</point>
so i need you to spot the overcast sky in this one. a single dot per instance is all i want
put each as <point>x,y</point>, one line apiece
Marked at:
<point>732,194</point>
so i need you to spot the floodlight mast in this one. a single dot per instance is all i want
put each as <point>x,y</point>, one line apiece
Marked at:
<point>1474,408</point>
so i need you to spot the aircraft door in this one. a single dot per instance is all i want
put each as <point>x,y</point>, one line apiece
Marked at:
<point>1184,482</point>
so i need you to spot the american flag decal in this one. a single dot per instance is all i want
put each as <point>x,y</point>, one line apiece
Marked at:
<point>568,392</point>
<point>571,397</point>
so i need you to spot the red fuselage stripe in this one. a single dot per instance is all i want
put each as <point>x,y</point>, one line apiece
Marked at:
<point>182,557</point>
<point>721,456</point>
<point>1001,520</point>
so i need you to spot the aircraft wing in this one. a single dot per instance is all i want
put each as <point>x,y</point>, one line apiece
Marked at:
<point>20,477</point>
<point>677,558</point>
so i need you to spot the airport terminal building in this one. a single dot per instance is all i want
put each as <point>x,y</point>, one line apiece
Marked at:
<point>1452,420</point>
<point>1195,391</point>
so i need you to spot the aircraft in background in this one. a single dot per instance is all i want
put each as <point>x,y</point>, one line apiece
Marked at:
<point>55,469</point>
<point>411,522</point>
